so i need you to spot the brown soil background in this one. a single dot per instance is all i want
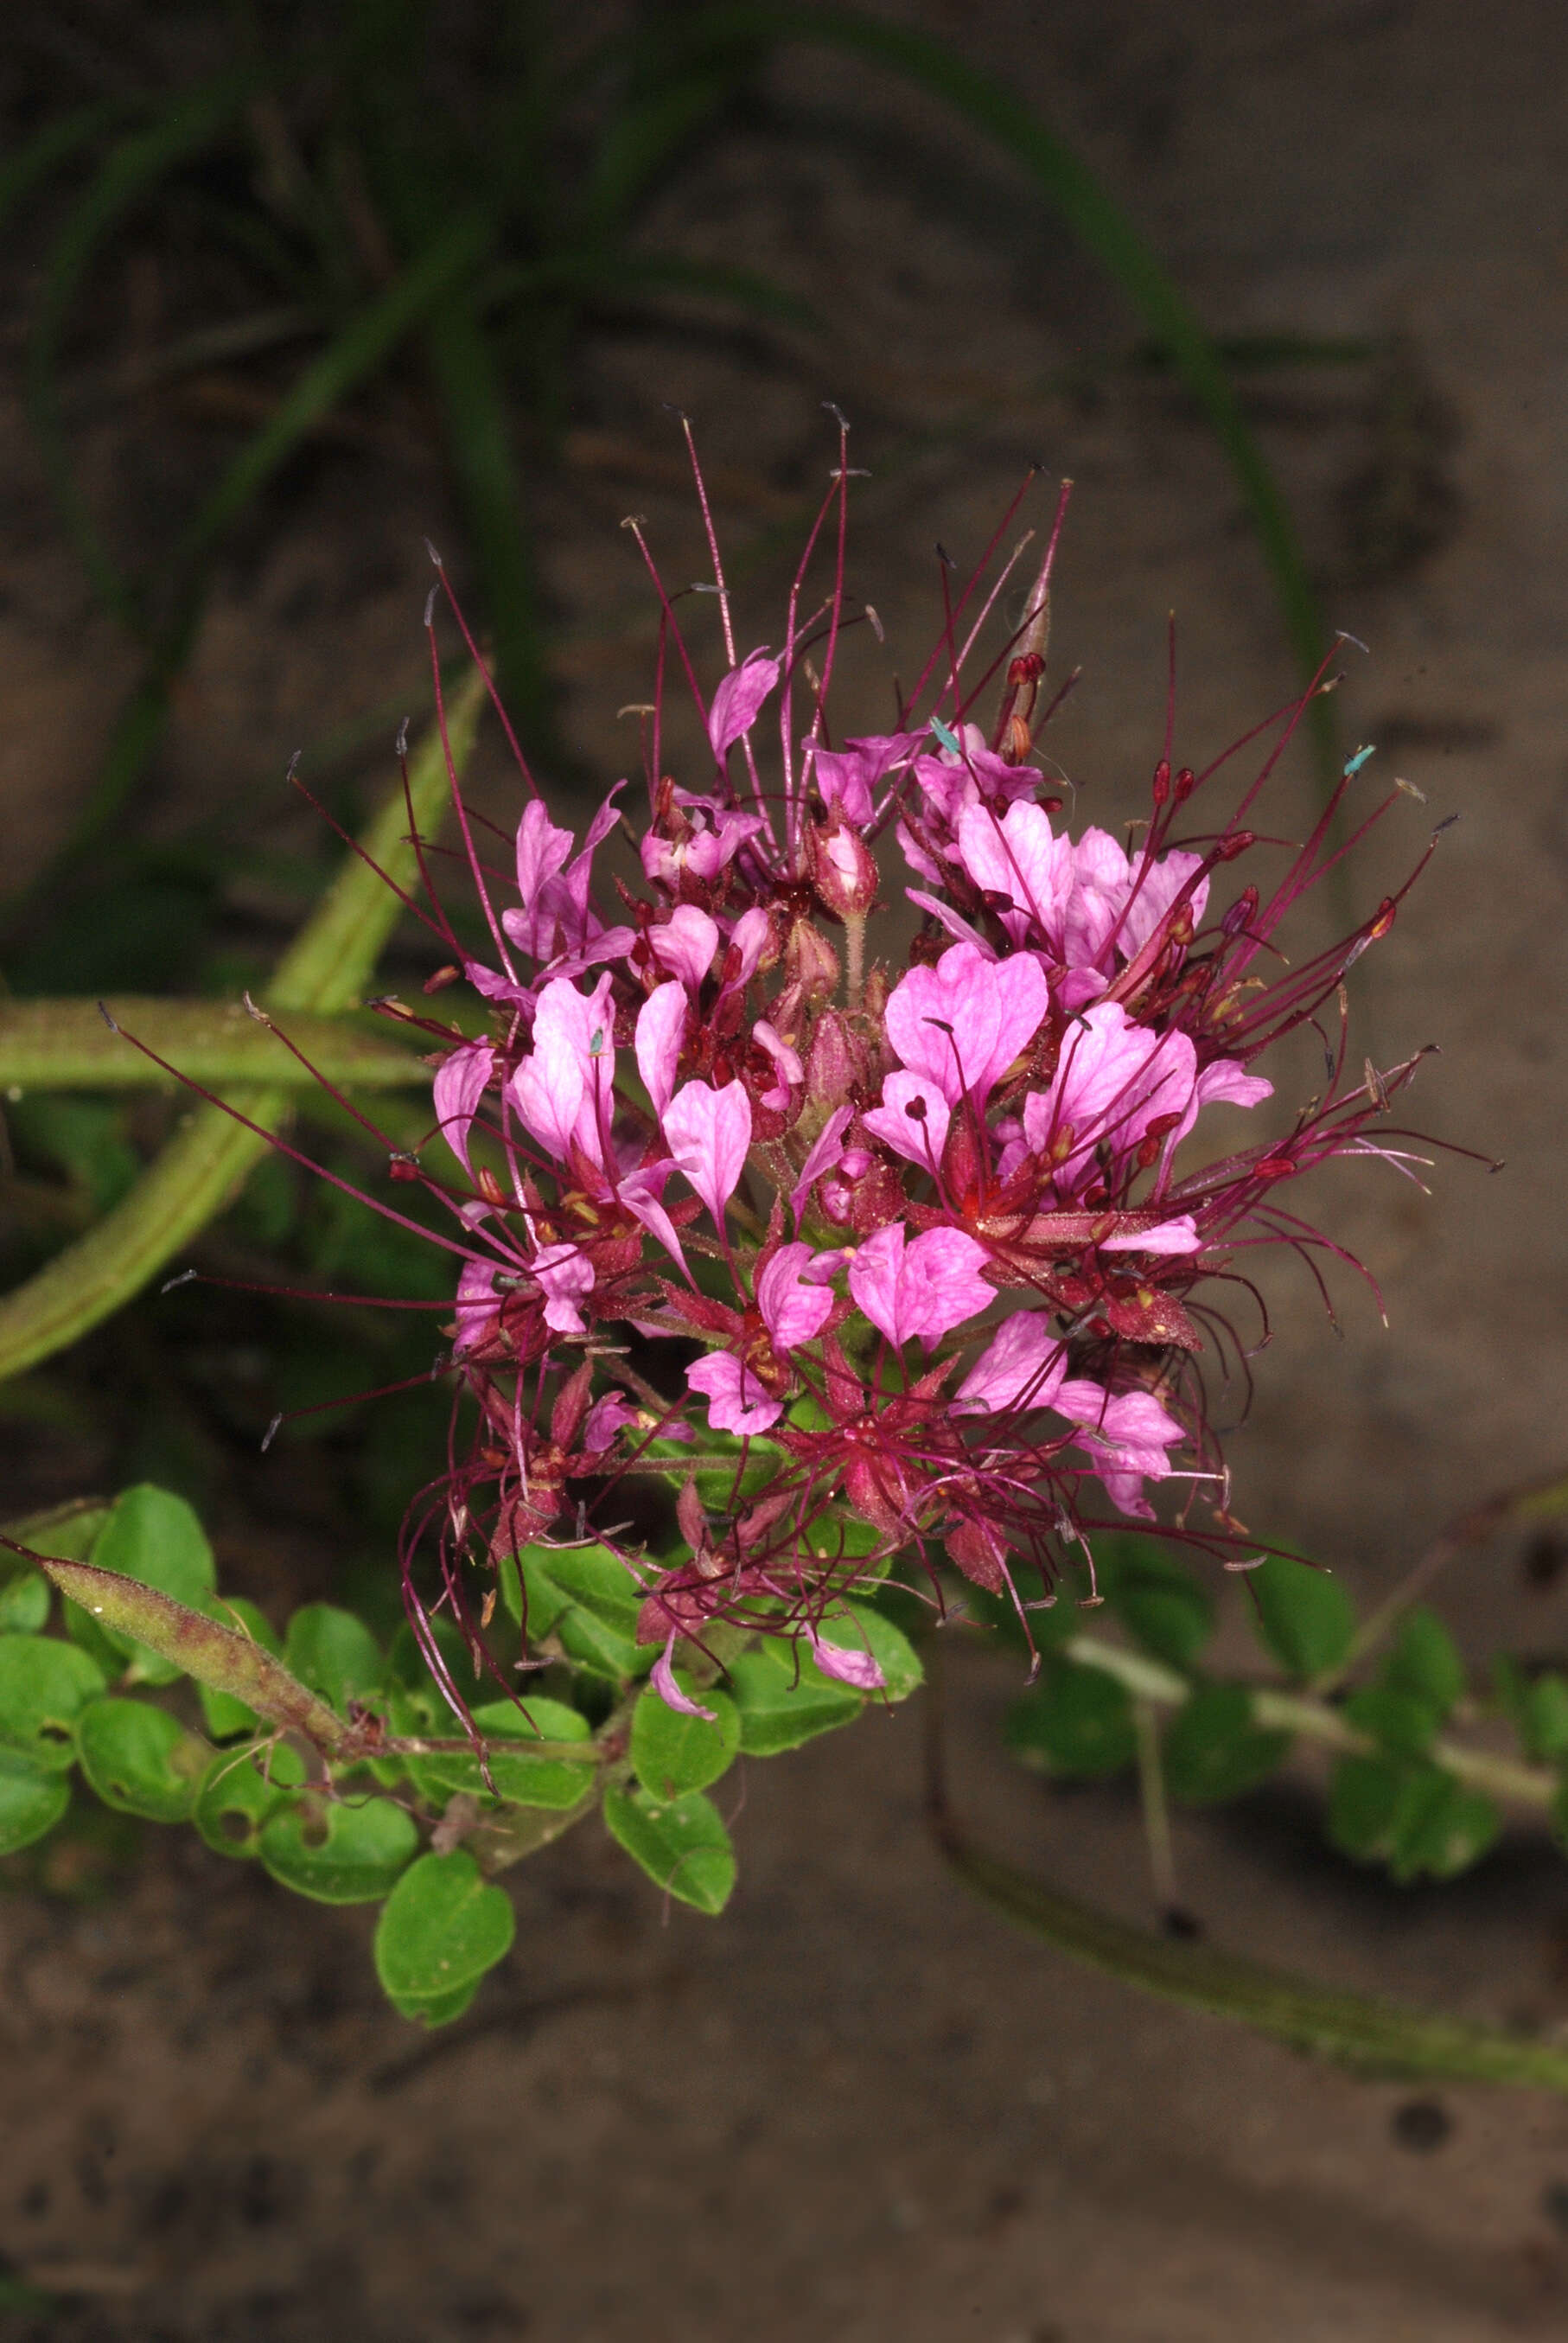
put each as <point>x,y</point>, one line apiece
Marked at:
<point>858,2106</point>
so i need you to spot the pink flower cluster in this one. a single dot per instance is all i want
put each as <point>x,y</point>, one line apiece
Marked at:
<point>916,1244</point>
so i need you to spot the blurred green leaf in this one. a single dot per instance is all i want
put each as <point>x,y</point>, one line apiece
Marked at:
<point>441,1928</point>
<point>32,1802</point>
<point>1405,1725</point>
<point>671,1754</point>
<point>1157,1599</point>
<point>1415,1817</point>
<point>43,1687</point>
<point>1424,1663</point>
<point>1076,1721</point>
<point>240,1791</point>
<point>1213,1750</point>
<point>1304,1618</point>
<point>684,1848</point>
<point>140,1759</point>
<point>24,1604</point>
<point>334,1653</point>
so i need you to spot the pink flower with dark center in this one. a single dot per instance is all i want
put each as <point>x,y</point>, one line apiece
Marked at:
<point>1017,858</point>
<point>738,1401</point>
<point>963,1022</point>
<point>919,1290</point>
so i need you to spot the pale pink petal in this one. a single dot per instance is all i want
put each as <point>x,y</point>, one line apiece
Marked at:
<point>736,1402</point>
<point>477,1303</point>
<point>1228,1081</point>
<point>1019,858</point>
<point>459,1087</point>
<point>965,1021</point>
<point>660,1032</point>
<point>708,1132</point>
<point>858,1669</point>
<point>563,1273</point>
<point>920,1289</point>
<point>1022,1368</point>
<point>661,1676</point>
<point>606,1418</point>
<point>920,1136</point>
<point>792,1310</point>
<point>748,939</point>
<point>1179,1235</point>
<point>686,944</point>
<point>737,698</point>
<point>825,1154</point>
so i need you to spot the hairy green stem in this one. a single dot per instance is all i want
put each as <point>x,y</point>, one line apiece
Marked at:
<point>67,1044</point>
<point>325,971</point>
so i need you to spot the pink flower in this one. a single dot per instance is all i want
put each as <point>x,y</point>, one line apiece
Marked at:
<point>789,1073</point>
<point>962,1023</point>
<point>1017,856</point>
<point>1102,911</point>
<point>716,837</point>
<point>555,916</point>
<point>737,1401</point>
<point>605,1422</point>
<point>919,1290</point>
<point>563,1274</point>
<point>860,1669</point>
<point>1022,1368</point>
<point>737,699</point>
<point>792,1310</point>
<point>459,1085</point>
<point>825,1154</point>
<point>660,1032</point>
<point>661,1676</point>
<point>1126,1434</point>
<point>1112,1079</point>
<point>913,1119</point>
<point>847,776</point>
<point>707,1132</point>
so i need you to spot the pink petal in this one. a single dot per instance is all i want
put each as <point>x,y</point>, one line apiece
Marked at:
<point>606,1418</point>
<point>660,1032</point>
<point>737,698</point>
<point>792,1310</point>
<point>964,1021</point>
<point>920,1289</point>
<point>824,1155</point>
<point>919,1138</point>
<point>860,1669</point>
<point>459,1087</point>
<point>1022,1368</point>
<point>686,944</point>
<point>661,1676</point>
<point>1179,1235</point>
<point>736,1402</point>
<point>788,1070</point>
<point>708,1132</point>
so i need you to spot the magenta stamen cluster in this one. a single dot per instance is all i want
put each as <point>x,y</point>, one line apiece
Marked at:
<point>922,1245</point>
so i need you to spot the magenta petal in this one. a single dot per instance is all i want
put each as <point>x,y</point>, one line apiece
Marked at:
<point>919,1137</point>
<point>563,1274</point>
<point>1179,1235</point>
<point>919,1290</point>
<point>708,1132</point>
<point>737,698</point>
<point>660,1031</point>
<point>686,944</point>
<point>860,1669</point>
<point>1022,1368</point>
<point>793,1312</point>
<point>964,1021</point>
<point>661,1676</point>
<point>459,1087</point>
<point>606,1418</point>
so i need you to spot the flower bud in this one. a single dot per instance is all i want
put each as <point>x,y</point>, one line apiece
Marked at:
<point>811,962</point>
<point>843,871</point>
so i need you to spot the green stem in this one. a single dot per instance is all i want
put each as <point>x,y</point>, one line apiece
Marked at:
<point>1316,1720</point>
<point>324,971</point>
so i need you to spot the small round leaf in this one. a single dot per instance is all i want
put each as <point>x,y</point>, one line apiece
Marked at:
<point>1077,1722</point>
<point>443,1925</point>
<point>672,1753</point>
<point>336,1852</point>
<point>31,1801</point>
<point>240,1792</point>
<point>684,1848</point>
<point>334,1653</point>
<point>24,1604</point>
<point>1304,1618</point>
<point>140,1759</point>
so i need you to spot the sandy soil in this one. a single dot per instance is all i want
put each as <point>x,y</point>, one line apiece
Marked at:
<point>858,2108</point>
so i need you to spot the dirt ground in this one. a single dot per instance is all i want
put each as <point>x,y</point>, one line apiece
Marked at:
<point>858,2106</point>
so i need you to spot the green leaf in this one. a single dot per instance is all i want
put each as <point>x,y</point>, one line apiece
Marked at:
<point>553,1782</point>
<point>153,1536</point>
<point>24,1604</point>
<point>1213,1750</point>
<point>856,1627</point>
<point>442,1927</point>
<point>589,1600</point>
<point>783,1699</point>
<point>1414,1817</point>
<point>671,1754</point>
<point>1544,1724</point>
<point>336,1851</point>
<point>240,1791</point>
<point>224,1714</point>
<point>1076,1721</point>
<point>140,1759</point>
<point>684,1848</point>
<point>1304,1618</point>
<point>1156,1598</point>
<point>1364,1796</point>
<point>1425,1664</point>
<point>43,1687</point>
<point>31,1801</point>
<point>1404,1725</point>
<point>334,1653</point>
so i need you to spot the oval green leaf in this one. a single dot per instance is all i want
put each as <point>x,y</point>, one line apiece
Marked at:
<point>782,1705</point>
<point>1212,1749</point>
<point>31,1801</point>
<point>1156,1598</point>
<point>671,1754</point>
<point>334,1653</point>
<point>554,1782</point>
<point>1077,1722</point>
<point>1304,1618</point>
<point>1424,1663</point>
<point>240,1792</point>
<point>339,1853</point>
<point>442,1927</point>
<point>24,1604</point>
<point>684,1848</point>
<point>44,1686</point>
<point>140,1759</point>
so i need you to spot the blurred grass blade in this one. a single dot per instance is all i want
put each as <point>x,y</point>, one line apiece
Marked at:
<point>325,971</point>
<point>341,368</point>
<point>62,1045</point>
<point>53,145</point>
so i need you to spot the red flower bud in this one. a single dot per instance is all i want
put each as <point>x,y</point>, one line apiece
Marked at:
<point>842,869</point>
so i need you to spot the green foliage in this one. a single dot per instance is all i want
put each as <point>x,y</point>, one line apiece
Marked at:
<point>1156,1598</point>
<point>32,1801</point>
<point>584,1599</point>
<point>683,1845</point>
<point>1305,1619</point>
<point>440,1929</point>
<point>856,1626</point>
<point>1076,1721</point>
<point>24,1604</point>
<point>155,1538</point>
<point>1404,1725</point>
<point>1215,1750</point>
<point>140,1759</point>
<point>555,1782</point>
<point>334,1653</point>
<point>1424,1663</point>
<point>44,1688</point>
<point>671,1754</point>
<point>338,1850</point>
<point>1413,1817</point>
<point>240,1791</point>
<point>783,1698</point>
